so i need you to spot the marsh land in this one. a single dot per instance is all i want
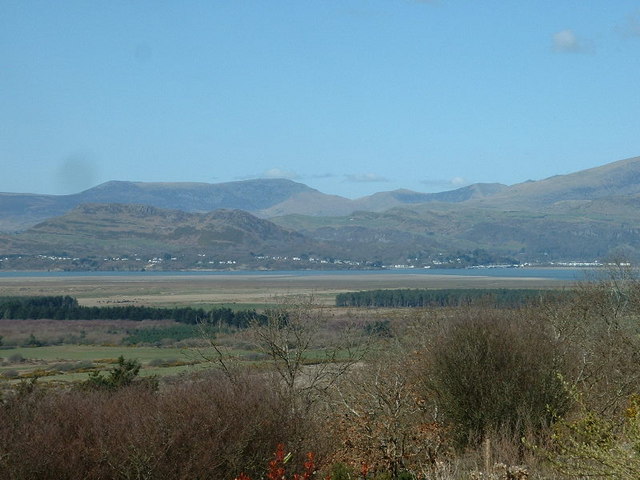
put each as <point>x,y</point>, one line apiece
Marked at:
<point>68,350</point>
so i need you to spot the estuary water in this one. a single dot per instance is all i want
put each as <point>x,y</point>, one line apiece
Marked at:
<point>565,274</point>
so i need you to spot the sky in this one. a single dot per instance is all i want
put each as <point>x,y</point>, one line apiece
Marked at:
<point>350,97</point>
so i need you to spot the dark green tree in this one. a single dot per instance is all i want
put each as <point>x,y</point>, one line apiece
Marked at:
<point>120,375</point>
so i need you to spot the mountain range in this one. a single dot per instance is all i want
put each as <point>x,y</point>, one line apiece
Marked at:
<point>582,216</point>
<point>261,197</point>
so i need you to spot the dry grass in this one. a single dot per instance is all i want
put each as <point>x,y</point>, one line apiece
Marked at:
<point>241,289</point>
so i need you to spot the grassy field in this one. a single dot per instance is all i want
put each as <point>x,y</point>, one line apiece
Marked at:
<point>71,363</point>
<point>74,362</point>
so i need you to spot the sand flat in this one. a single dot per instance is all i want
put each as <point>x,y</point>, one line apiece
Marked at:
<point>240,288</point>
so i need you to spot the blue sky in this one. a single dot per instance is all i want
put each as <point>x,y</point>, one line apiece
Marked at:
<point>350,97</point>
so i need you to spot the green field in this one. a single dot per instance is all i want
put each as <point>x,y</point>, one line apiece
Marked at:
<point>45,361</point>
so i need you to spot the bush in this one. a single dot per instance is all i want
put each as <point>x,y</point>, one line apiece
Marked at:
<point>205,427</point>
<point>15,358</point>
<point>385,419</point>
<point>340,471</point>
<point>156,335</point>
<point>595,446</point>
<point>32,341</point>
<point>10,374</point>
<point>600,324</point>
<point>277,468</point>
<point>121,375</point>
<point>79,366</point>
<point>157,362</point>
<point>493,371</point>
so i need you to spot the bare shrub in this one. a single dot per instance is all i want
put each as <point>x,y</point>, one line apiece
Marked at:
<point>385,420</point>
<point>157,362</point>
<point>201,428</point>
<point>599,330</point>
<point>305,361</point>
<point>16,358</point>
<point>11,373</point>
<point>493,371</point>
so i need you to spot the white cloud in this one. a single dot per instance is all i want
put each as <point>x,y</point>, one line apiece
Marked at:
<point>455,182</point>
<point>566,41</point>
<point>279,173</point>
<point>365,178</point>
<point>271,173</point>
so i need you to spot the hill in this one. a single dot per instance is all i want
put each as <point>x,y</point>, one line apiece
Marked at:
<point>95,232</point>
<point>584,216</point>
<point>262,197</point>
<point>614,179</point>
<point>278,197</point>
<point>20,211</point>
<point>463,234</point>
<point>248,195</point>
<point>381,201</point>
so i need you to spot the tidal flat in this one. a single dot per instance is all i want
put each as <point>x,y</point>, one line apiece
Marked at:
<point>245,290</point>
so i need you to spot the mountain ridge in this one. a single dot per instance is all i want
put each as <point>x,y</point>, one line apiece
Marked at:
<point>583,216</point>
<point>270,198</point>
<point>616,178</point>
<point>262,197</point>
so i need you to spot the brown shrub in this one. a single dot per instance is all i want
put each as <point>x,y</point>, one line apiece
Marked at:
<point>494,371</point>
<point>203,428</point>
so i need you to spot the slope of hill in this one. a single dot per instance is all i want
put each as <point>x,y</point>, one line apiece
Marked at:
<point>263,197</point>
<point>128,230</point>
<point>381,201</point>
<point>20,211</point>
<point>571,231</point>
<point>310,203</point>
<point>277,197</point>
<point>249,195</point>
<point>617,178</point>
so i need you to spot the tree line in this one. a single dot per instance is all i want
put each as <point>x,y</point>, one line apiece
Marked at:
<point>501,298</point>
<point>68,308</point>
